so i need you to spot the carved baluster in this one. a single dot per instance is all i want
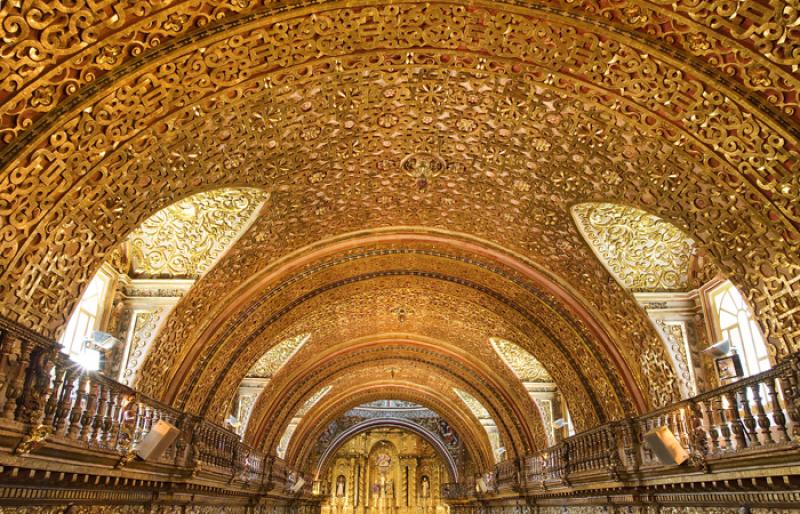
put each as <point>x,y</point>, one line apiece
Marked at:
<point>127,428</point>
<point>672,424</point>
<point>724,428</point>
<point>113,419</point>
<point>89,412</point>
<point>76,415</point>
<point>16,382</point>
<point>139,423</point>
<point>66,401</point>
<point>713,431</point>
<point>582,453</point>
<point>749,420</point>
<point>790,385</point>
<point>37,386</point>
<point>777,411</point>
<point>764,423</point>
<point>585,452</point>
<point>6,368</point>
<point>735,420</point>
<point>54,401</point>
<point>698,439</point>
<point>99,427</point>
<point>147,424</point>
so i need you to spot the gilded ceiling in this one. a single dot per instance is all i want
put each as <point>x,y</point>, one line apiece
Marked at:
<point>427,365</point>
<point>434,428</point>
<point>286,438</point>
<point>474,405</point>
<point>642,251</point>
<point>269,363</point>
<point>419,163</point>
<point>184,239</point>
<point>524,365</point>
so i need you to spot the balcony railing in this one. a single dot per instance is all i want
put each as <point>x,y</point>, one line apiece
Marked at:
<point>758,415</point>
<point>53,402</point>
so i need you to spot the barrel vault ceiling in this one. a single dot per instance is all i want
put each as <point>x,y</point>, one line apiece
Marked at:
<point>416,173</point>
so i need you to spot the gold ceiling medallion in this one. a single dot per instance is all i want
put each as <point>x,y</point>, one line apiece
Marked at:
<point>424,167</point>
<point>402,313</point>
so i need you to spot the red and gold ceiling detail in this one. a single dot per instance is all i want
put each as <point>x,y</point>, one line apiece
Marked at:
<point>421,161</point>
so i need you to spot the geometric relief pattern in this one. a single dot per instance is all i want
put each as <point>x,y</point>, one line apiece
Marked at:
<point>546,410</point>
<point>185,238</point>
<point>676,337</point>
<point>245,408</point>
<point>277,356</point>
<point>642,251</point>
<point>312,401</point>
<point>524,365</point>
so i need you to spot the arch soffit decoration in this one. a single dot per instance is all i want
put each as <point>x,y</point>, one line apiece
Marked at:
<point>444,367</point>
<point>329,333</point>
<point>771,223</point>
<point>442,403</point>
<point>495,277</point>
<point>421,431</point>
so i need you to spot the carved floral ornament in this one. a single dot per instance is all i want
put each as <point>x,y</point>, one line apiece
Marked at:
<point>642,251</point>
<point>698,103</point>
<point>184,239</point>
<point>524,365</point>
<point>539,111</point>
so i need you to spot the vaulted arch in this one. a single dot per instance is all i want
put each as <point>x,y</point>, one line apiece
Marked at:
<point>345,398</point>
<point>417,156</point>
<point>388,422</point>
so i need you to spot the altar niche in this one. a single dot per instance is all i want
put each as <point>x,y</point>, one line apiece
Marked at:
<point>385,471</point>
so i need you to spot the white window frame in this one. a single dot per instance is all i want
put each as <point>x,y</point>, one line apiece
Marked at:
<point>87,317</point>
<point>739,327</point>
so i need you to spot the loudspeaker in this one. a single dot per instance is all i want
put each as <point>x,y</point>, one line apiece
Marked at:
<point>298,485</point>
<point>665,446</point>
<point>481,485</point>
<point>156,442</point>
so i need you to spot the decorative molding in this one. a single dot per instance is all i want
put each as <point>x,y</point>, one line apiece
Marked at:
<point>642,251</point>
<point>524,365</point>
<point>184,239</point>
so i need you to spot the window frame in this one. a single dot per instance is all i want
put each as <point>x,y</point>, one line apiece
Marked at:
<point>752,364</point>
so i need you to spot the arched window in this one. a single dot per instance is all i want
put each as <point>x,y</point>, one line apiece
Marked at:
<point>84,321</point>
<point>735,322</point>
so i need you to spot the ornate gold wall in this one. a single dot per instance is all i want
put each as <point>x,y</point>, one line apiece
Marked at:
<point>385,471</point>
<point>421,160</point>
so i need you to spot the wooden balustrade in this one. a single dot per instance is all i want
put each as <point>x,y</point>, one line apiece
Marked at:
<point>43,391</point>
<point>755,414</point>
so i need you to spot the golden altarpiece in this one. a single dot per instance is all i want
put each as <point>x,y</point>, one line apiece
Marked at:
<point>385,471</point>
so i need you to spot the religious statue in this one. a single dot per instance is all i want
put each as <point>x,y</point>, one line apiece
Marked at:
<point>340,481</point>
<point>389,488</point>
<point>383,461</point>
<point>425,487</point>
<point>448,436</point>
